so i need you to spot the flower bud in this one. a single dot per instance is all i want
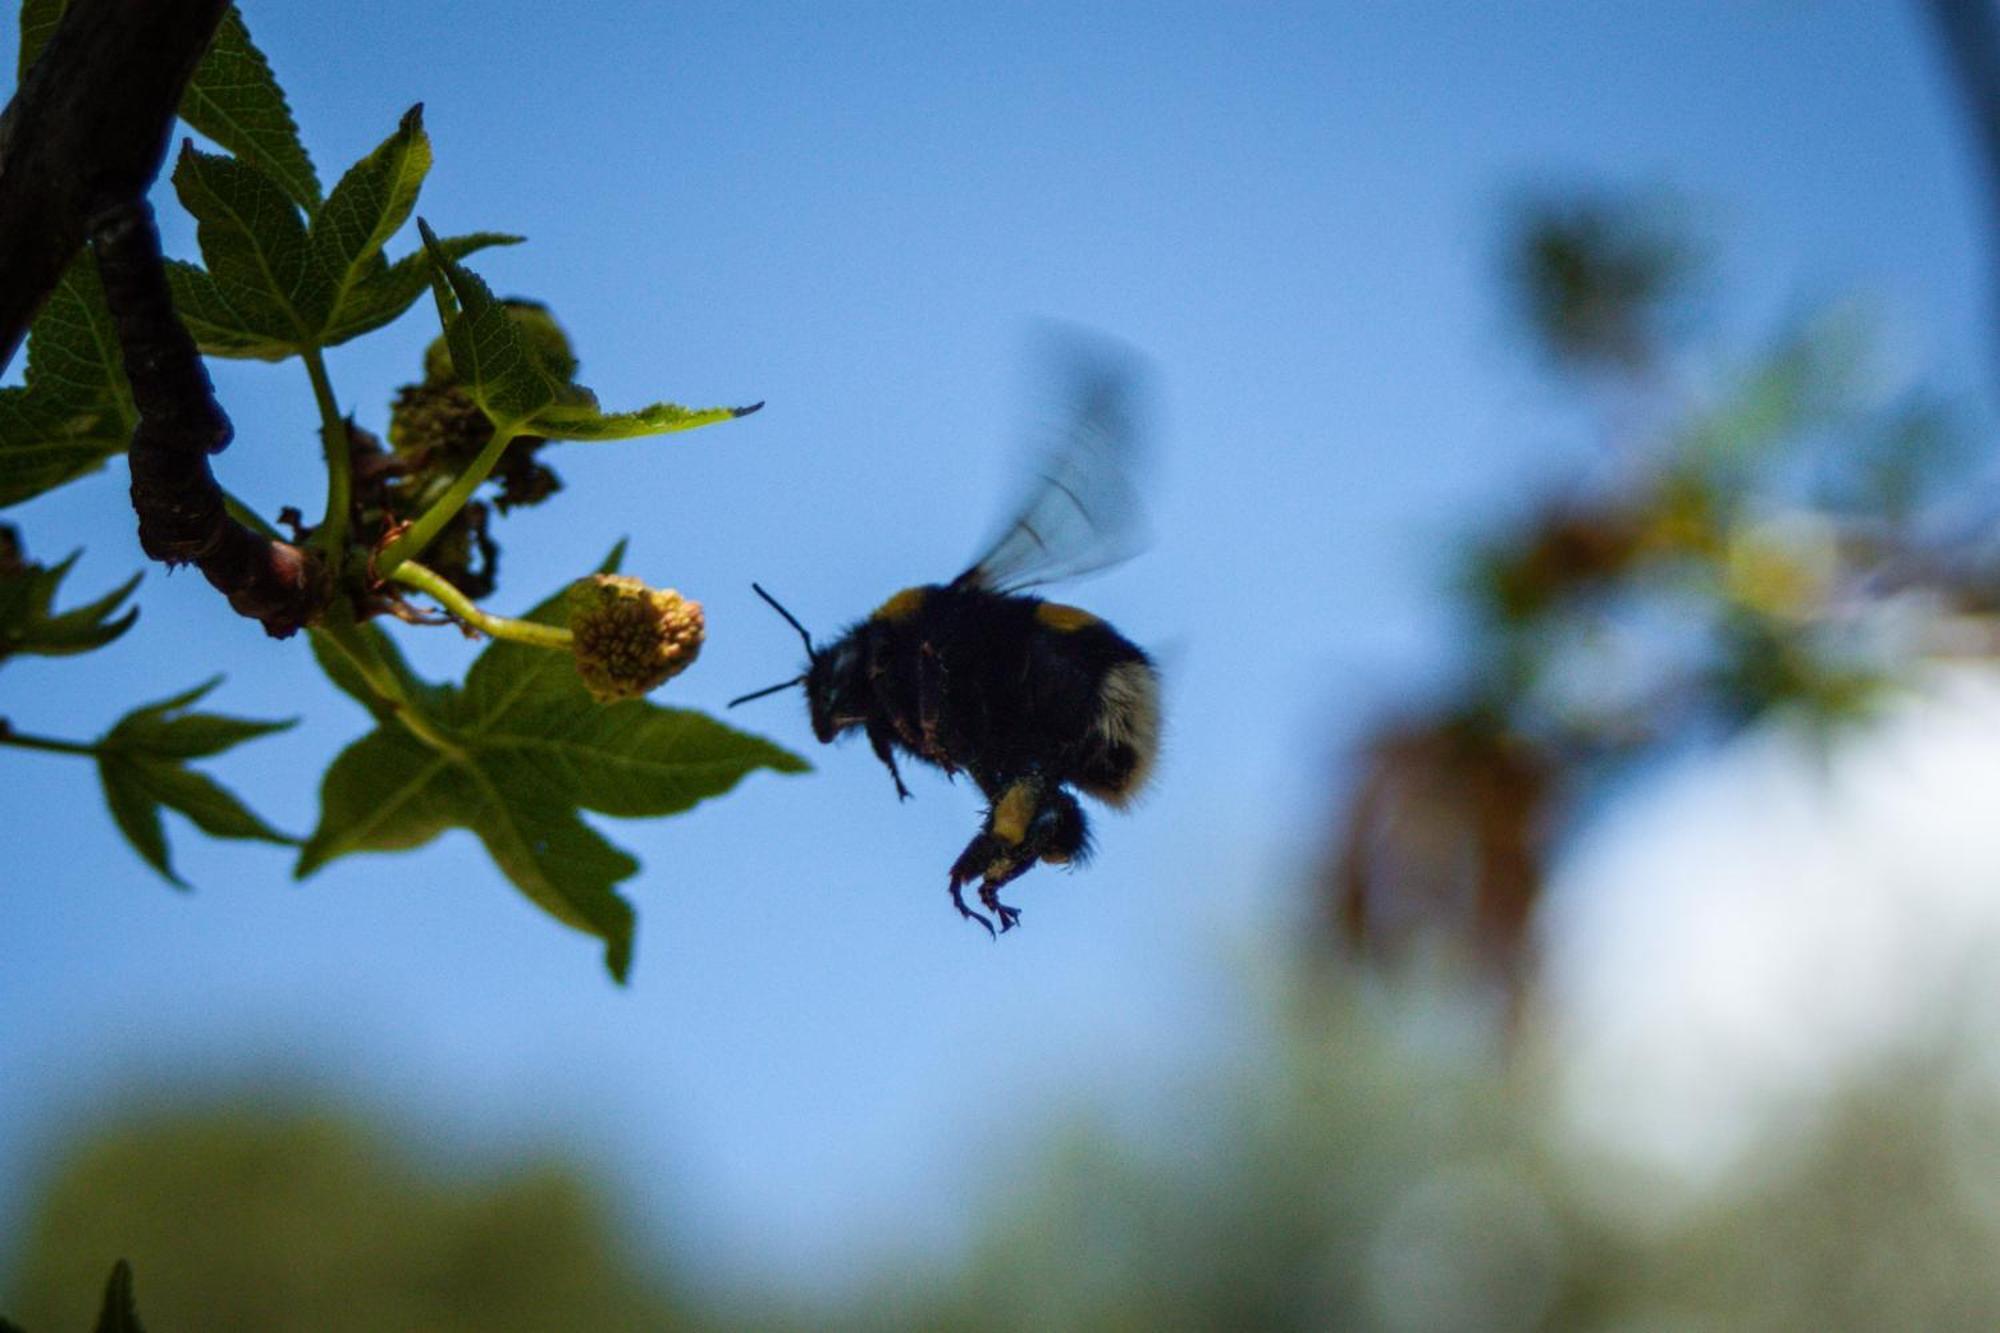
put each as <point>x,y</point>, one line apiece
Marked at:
<point>630,638</point>
<point>437,420</point>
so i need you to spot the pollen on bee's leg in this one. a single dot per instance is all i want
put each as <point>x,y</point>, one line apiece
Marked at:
<point>1013,811</point>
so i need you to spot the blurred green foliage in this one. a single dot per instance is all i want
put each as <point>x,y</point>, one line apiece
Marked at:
<point>1599,278</point>
<point>242,1216</point>
<point>1372,1164</point>
<point>1739,544</point>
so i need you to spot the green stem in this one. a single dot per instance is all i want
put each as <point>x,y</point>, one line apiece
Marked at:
<point>8,736</point>
<point>332,535</point>
<point>434,585</point>
<point>249,517</point>
<point>431,522</point>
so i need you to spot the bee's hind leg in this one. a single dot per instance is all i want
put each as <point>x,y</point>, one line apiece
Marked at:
<point>961,876</point>
<point>1005,871</point>
<point>1029,821</point>
<point>993,861</point>
<point>1056,833</point>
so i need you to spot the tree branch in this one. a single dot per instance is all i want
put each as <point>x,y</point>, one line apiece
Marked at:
<point>1969,31</point>
<point>183,514</point>
<point>80,145</point>
<point>87,130</point>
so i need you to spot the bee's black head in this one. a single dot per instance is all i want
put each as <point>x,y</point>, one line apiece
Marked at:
<point>836,690</point>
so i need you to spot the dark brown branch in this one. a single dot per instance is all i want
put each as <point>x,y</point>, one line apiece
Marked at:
<point>182,518</point>
<point>1970,33</point>
<point>86,131</point>
<point>80,145</point>
<point>1970,30</point>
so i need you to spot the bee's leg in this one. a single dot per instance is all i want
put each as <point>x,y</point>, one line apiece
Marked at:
<point>1055,832</point>
<point>930,705</point>
<point>1000,873</point>
<point>880,737</point>
<point>887,706</point>
<point>1011,841</point>
<point>966,869</point>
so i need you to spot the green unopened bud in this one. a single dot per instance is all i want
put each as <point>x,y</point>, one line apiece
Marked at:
<point>630,638</point>
<point>437,363</point>
<point>437,419</point>
<point>538,328</point>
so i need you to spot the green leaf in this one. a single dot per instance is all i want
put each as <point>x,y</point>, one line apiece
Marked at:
<point>273,285</point>
<point>190,735</point>
<point>213,323</point>
<point>38,21</point>
<point>141,763</point>
<point>212,807</point>
<point>76,409</point>
<point>570,870</point>
<point>390,289</point>
<point>43,447</point>
<point>635,758</point>
<point>138,818</point>
<point>526,749</point>
<point>74,359</point>
<point>27,591</point>
<point>488,353</point>
<point>120,1313</point>
<point>88,626</point>
<point>510,380</point>
<point>366,208</point>
<point>384,793</point>
<point>150,715</point>
<point>252,239</point>
<point>382,657</point>
<point>566,421</point>
<point>235,100</point>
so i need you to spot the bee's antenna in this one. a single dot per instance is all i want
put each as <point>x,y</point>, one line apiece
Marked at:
<point>811,651</point>
<point>791,620</point>
<point>768,689</point>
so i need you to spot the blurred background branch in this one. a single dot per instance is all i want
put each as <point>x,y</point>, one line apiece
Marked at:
<point>1969,32</point>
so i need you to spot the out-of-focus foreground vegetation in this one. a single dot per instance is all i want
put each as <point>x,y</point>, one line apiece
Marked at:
<point>1766,543</point>
<point>1378,1172</point>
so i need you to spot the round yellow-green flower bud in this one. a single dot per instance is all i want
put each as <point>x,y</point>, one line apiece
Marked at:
<point>630,638</point>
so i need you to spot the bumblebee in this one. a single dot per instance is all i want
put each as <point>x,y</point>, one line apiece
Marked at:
<point>1034,700</point>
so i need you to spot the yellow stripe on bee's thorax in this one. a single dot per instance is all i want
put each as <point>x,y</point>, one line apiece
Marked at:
<point>1012,812</point>
<point>902,606</point>
<point>1067,619</point>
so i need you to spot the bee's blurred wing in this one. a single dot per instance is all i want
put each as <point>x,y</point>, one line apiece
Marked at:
<point>1082,510</point>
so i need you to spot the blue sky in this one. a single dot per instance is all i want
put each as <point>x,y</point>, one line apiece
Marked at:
<point>856,214</point>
